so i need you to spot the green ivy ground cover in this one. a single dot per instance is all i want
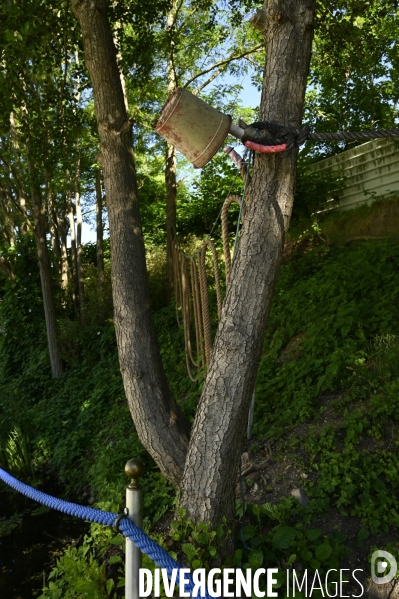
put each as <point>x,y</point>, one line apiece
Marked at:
<point>333,329</point>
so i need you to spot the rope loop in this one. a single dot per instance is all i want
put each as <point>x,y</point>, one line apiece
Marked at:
<point>225,232</point>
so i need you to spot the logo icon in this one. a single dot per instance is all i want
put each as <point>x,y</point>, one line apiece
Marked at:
<point>379,567</point>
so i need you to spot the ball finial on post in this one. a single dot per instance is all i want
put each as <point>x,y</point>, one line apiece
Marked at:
<point>134,468</point>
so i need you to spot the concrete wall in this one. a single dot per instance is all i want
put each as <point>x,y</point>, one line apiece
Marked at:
<point>372,167</point>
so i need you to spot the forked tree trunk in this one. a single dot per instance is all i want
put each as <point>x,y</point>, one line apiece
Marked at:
<point>159,422</point>
<point>212,460</point>
<point>215,445</point>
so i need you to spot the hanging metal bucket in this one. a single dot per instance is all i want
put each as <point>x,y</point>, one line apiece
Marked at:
<point>189,124</point>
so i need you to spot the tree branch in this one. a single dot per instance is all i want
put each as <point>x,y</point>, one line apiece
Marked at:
<point>226,61</point>
<point>190,14</point>
<point>209,80</point>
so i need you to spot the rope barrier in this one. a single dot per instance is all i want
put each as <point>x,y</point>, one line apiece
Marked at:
<point>257,136</point>
<point>147,545</point>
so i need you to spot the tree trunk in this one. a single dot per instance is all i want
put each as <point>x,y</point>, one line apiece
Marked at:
<point>39,218</point>
<point>100,232</point>
<point>171,192</point>
<point>170,167</point>
<point>79,257</point>
<point>64,256</point>
<point>212,460</point>
<point>57,365</point>
<point>215,445</point>
<point>54,235</point>
<point>159,422</point>
<point>74,256</point>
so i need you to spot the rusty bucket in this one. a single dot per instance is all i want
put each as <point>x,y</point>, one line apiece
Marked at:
<point>196,129</point>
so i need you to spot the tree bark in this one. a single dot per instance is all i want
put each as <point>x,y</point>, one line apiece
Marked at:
<point>100,232</point>
<point>39,218</point>
<point>171,193</point>
<point>79,257</point>
<point>54,234</point>
<point>170,165</point>
<point>215,445</point>
<point>56,362</point>
<point>64,256</point>
<point>160,424</point>
<point>74,256</point>
<point>212,459</point>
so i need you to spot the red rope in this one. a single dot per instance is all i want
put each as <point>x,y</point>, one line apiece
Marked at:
<point>265,149</point>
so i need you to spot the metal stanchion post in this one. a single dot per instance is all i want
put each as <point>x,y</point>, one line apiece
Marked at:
<point>134,503</point>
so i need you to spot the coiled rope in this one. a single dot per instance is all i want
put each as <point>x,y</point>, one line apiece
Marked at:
<point>191,283</point>
<point>126,526</point>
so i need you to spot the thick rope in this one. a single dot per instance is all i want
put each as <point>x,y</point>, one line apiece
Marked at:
<point>197,311</point>
<point>197,291</point>
<point>206,317</point>
<point>258,135</point>
<point>186,318</point>
<point>238,161</point>
<point>225,232</point>
<point>216,272</point>
<point>126,526</point>
<point>176,279</point>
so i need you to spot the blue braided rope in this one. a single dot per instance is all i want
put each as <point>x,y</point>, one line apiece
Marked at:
<point>126,526</point>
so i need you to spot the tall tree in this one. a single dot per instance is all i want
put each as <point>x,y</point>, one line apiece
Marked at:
<point>39,92</point>
<point>206,472</point>
<point>355,69</point>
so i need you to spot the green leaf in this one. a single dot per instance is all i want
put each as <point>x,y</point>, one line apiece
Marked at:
<point>256,559</point>
<point>363,534</point>
<point>283,537</point>
<point>118,540</point>
<point>109,585</point>
<point>313,534</point>
<point>323,551</point>
<point>248,532</point>
<point>202,537</point>
<point>189,550</point>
